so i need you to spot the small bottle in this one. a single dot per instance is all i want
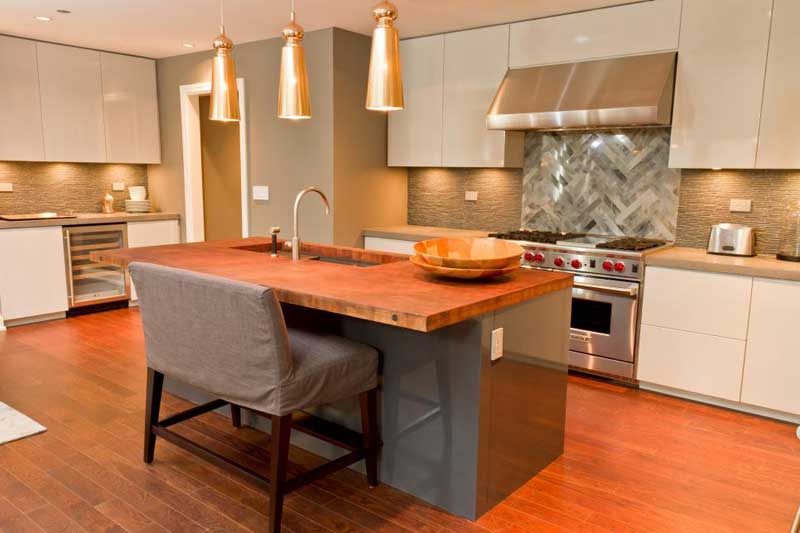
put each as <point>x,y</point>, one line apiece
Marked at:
<point>108,203</point>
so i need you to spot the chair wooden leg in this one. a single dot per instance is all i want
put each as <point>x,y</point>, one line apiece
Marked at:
<point>155,386</point>
<point>369,429</point>
<point>236,416</point>
<point>279,458</point>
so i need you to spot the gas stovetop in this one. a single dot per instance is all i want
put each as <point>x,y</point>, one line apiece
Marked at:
<point>544,237</point>
<point>581,240</point>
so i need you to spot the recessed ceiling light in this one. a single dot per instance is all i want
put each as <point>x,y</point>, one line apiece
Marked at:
<point>43,18</point>
<point>188,45</point>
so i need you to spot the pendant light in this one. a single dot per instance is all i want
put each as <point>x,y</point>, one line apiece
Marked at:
<point>294,102</point>
<point>385,85</point>
<point>224,93</point>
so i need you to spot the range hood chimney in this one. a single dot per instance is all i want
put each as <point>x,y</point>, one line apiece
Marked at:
<point>607,93</point>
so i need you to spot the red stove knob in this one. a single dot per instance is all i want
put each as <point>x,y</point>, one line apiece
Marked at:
<point>529,256</point>
<point>539,258</point>
<point>619,267</point>
<point>558,261</point>
<point>576,263</point>
<point>608,265</point>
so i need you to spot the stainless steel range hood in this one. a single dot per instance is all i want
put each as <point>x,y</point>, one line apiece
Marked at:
<point>607,93</point>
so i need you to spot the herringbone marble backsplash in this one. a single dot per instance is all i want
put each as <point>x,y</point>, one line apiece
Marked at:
<point>79,187</point>
<point>612,182</point>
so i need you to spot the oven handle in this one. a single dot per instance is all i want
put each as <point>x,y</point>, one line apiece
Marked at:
<point>623,291</point>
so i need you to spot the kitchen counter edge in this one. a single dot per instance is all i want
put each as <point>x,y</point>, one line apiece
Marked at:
<point>88,219</point>
<point>411,232</point>
<point>760,266</point>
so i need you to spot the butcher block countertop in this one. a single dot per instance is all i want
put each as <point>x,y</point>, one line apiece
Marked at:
<point>393,292</point>
<point>761,266</point>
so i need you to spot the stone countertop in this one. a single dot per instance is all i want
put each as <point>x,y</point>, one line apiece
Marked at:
<point>762,266</point>
<point>409,232</point>
<point>89,218</point>
<point>393,292</point>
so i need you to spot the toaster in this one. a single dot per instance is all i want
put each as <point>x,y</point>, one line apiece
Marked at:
<point>732,239</point>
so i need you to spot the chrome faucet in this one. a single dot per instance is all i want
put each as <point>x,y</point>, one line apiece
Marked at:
<point>296,237</point>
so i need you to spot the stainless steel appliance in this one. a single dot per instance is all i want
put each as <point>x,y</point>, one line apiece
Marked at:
<point>789,241</point>
<point>732,239</point>
<point>609,272</point>
<point>89,282</point>
<point>37,216</point>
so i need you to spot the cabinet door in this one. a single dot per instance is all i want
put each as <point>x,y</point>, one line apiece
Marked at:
<point>415,133</point>
<point>772,365</point>
<point>719,85</point>
<point>20,113</point>
<point>693,362</point>
<point>780,113</point>
<point>475,62</point>
<point>72,103</point>
<point>130,109</point>
<point>152,233</point>
<point>701,302</point>
<point>644,27</point>
<point>34,277</point>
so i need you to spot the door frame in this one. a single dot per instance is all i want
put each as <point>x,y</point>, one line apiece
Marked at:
<point>193,159</point>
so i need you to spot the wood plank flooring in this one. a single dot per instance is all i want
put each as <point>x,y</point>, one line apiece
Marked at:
<point>634,461</point>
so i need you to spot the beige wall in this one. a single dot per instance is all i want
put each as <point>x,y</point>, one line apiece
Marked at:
<point>222,178</point>
<point>342,143</point>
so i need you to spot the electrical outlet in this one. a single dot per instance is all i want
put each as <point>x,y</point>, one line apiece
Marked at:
<point>471,196</point>
<point>118,186</point>
<point>260,192</point>
<point>6,187</point>
<point>497,344</point>
<point>741,206</point>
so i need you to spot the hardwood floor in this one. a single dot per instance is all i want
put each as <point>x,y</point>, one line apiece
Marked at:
<point>634,461</point>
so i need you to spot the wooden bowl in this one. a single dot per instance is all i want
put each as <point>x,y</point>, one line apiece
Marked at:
<point>464,273</point>
<point>469,253</point>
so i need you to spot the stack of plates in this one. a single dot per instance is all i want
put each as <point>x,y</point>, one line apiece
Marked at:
<point>137,206</point>
<point>468,258</point>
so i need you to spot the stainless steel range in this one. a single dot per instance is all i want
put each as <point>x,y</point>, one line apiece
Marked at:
<point>608,272</point>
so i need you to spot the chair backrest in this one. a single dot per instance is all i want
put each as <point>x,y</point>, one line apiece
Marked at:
<point>225,337</point>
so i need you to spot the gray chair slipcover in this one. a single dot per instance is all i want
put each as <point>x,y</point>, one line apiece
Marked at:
<point>229,339</point>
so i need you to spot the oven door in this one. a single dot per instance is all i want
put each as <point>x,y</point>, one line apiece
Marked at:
<point>604,318</point>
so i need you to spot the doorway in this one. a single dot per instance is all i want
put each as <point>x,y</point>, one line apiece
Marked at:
<point>214,158</point>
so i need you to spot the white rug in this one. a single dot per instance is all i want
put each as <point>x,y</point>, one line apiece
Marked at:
<point>14,425</point>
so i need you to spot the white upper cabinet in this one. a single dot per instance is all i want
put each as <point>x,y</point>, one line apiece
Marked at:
<point>644,27</point>
<point>130,109</point>
<point>415,133</point>
<point>72,103</point>
<point>719,86</point>
<point>779,135</point>
<point>20,113</point>
<point>475,62</point>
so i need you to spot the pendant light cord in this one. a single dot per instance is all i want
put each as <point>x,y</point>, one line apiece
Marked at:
<point>222,13</point>
<point>292,15</point>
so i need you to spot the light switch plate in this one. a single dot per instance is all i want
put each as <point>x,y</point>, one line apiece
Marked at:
<point>118,186</point>
<point>260,192</point>
<point>497,344</point>
<point>741,206</point>
<point>471,196</point>
<point>6,187</point>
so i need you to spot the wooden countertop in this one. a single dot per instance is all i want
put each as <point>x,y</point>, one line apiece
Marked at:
<point>88,219</point>
<point>409,232</point>
<point>394,292</point>
<point>762,266</point>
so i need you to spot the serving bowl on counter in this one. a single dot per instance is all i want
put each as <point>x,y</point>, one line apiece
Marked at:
<point>467,258</point>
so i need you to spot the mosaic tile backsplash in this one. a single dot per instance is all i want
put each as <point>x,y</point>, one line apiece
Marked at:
<point>613,182</point>
<point>79,187</point>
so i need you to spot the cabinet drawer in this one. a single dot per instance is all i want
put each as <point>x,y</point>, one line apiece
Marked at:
<point>383,244</point>
<point>700,302</point>
<point>693,362</point>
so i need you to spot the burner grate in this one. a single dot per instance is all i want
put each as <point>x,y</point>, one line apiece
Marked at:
<point>631,244</point>
<point>544,237</point>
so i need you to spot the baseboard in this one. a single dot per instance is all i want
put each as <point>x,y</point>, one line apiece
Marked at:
<point>718,402</point>
<point>34,319</point>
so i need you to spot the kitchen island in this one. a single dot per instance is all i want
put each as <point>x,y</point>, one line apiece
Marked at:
<point>460,430</point>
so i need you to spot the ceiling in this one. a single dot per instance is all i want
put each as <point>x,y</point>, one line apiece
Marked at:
<point>159,28</point>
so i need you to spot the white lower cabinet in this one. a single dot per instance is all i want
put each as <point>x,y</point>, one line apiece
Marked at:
<point>772,365</point>
<point>33,278</point>
<point>383,244</point>
<point>152,233</point>
<point>694,362</point>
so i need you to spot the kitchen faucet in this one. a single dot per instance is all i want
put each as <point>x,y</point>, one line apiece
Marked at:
<point>296,237</point>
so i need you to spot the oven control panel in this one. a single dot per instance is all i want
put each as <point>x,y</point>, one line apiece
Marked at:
<point>587,262</point>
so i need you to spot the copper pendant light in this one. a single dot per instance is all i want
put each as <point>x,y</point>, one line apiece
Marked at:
<point>294,102</point>
<point>385,85</point>
<point>224,93</point>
